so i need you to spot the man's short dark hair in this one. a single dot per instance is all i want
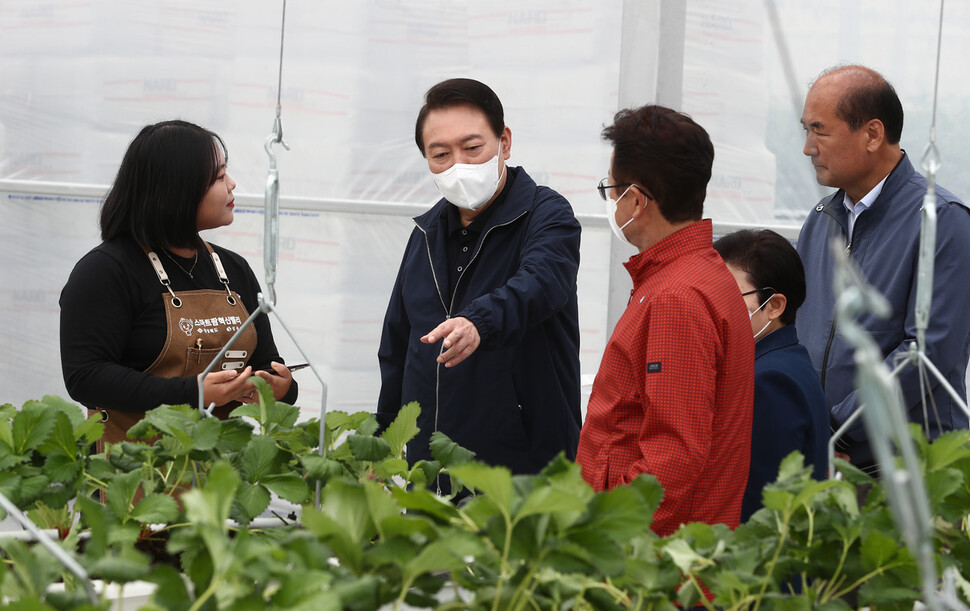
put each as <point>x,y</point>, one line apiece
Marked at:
<point>666,153</point>
<point>771,263</point>
<point>460,92</point>
<point>868,95</point>
<point>163,177</point>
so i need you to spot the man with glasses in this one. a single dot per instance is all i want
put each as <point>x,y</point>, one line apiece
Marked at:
<point>674,392</point>
<point>482,329</point>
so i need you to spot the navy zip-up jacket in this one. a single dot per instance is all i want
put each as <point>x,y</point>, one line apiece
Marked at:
<point>516,400</point>
<point>885,246</point>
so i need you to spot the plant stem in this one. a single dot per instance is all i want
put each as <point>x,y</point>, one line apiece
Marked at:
<point>205,595</point>
<point>832,583</point>
<point>96,481</point>
<point>621,597</point>
<point>858,582</point>
<point>404,592</point>
<point>700,591</point>
<point>783,532</point>
<point>503,566</point>
<point>521,590</point>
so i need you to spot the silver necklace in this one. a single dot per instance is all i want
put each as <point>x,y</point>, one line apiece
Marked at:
<point>188,272</point>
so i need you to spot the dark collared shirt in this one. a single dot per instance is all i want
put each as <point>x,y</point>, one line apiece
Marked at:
<point>462,240</point>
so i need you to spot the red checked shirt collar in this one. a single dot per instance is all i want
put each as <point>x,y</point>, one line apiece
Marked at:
<point>694,237</point>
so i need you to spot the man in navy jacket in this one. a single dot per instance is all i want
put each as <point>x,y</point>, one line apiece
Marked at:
<point>853,121</point>
<point>482,326</point>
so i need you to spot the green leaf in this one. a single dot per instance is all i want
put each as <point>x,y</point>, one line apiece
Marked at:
<point>420,499</point>
<point>205,434</point>
<point>407,527</point>
<point>941,484</point>
<point>391,467</point>
<point>89,431</point>
<point>289,486</point>
<point>8,459</point>
<point>812,489</point>
<point>61,438</point>
<point>649,490</point>
<point>171,592</point>
<point>403,429</point>
<point>122,568</point>
<point>234,434</point>
<point>877,550</point>
<point>453,552</point>
<point>494,482</point>
<point>447,452</point>
<point>10,486</point>
<point>7,411</point>
<point>6,433</point>
<point>852,474</point>
<point>346,504</point>
<point>777,499</point>
<point>947,449</point>
<point>367,448</point>
<point>602,554</point>
<point>880,597</point>
<point>380,504</point>
<point>31,426</point>
<point>620,513</point>
<point>247,410</point>
<point>32,487</point>
<point>35,575</point>
<point>684,556</point>
<point>320,467</point>
<point>544,499</point>
<point>791,466</point>
<point>62,468</point>
<point>253,499</point>
<point>338,421</point>
<point>211,503</point>
<point>343,520</point>
<point>155,509</point>
<point>174,421</point>
<point>75,413</point>
<point>369,426</point>
<point>121,492</point>
<point>258,459</point>
<point>424,472</point>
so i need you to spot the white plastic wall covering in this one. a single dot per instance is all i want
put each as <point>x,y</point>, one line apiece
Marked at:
<point>338,260</point>
<point>651,71</point>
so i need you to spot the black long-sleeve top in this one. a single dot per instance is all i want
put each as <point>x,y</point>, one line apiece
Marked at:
<point>113,325</point>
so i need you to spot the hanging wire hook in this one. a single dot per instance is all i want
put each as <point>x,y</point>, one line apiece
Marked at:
<point>931,156</point>
<point>931,165</point>
<point>271,213</point>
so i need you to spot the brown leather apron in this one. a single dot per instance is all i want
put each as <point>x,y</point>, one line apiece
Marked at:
<point>198,325</point>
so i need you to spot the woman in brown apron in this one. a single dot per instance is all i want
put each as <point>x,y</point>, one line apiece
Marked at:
<point>144,313</point>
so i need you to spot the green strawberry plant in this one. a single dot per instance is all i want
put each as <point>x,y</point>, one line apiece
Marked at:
<point>175,505</point>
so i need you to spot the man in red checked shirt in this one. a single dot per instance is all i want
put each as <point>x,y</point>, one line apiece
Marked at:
<point>673,396</point>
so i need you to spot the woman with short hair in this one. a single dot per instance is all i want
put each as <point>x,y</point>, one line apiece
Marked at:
<point>790,412</point>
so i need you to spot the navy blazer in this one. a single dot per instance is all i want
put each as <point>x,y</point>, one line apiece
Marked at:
<point>790,413</point>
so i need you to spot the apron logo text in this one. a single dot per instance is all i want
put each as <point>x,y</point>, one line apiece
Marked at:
<point>185,324</point>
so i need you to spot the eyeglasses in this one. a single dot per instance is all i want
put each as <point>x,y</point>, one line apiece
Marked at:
<point>753,291</point>
<point>604,185</point>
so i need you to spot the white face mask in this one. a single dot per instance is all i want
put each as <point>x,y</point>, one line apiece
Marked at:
<point>611,217</point>
<point>751,315</point>
<point>469,185</point>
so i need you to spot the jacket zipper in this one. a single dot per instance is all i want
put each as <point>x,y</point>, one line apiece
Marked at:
<point>828,344</point>
<point>434,276</point>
